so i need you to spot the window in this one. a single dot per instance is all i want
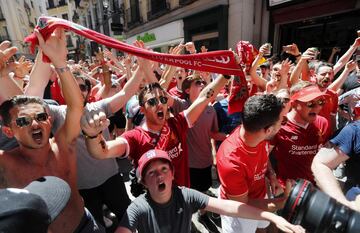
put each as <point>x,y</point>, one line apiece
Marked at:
<point>50,4</point>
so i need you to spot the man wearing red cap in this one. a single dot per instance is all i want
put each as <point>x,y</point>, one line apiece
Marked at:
<point>298,141</point>
<point>167,208</point>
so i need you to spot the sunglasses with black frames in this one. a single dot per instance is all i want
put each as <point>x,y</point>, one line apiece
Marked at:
<point>27,120</point>
<point>155,101</point>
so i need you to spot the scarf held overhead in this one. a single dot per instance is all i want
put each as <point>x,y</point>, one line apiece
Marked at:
<point>221,61</point>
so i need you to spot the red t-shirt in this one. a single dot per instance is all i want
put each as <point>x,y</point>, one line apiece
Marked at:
<point>331,104</point>
<point>295,148</point>
<point>56,93</point>
<point>172,83</point>
<point>175,92</point>
<point>173,141</point>
<point>242,168</point>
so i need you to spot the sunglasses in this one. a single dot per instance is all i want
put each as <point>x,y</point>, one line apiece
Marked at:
<point>155,101</point>
<point>199,83</point>
<point>312,104</point>
<point>26,121</point>
<point>82,87</point>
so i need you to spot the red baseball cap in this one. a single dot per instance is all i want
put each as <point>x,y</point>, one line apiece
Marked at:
<point>307,94</point>
<point>149,156</point>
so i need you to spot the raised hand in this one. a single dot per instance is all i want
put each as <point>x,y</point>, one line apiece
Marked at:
<point>190,47</point>
<point>356,43</point>
<point>54,47</point>
<point>22,67</point>
<point>203,49</point>
<point>94,122</point>
<point>100,55</point>
<point>264,49</point>
<point>335,50</point>
<point>285,67</point>
<point>291,49</point>
<point>309,54</point>
<point>6,52</point>
<point>351,65</point>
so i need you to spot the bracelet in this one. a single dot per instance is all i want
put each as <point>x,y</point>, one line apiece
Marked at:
<point>227,76</point>
<point>62,69</point>
<point>297,55</point>
<point>91,137</point>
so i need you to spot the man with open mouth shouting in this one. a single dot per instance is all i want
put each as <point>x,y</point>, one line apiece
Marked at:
<point>168,208</point>
<point>26,119</point>
<point>159,131</point>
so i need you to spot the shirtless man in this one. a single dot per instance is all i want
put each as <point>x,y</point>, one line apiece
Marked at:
<point>37,155</point>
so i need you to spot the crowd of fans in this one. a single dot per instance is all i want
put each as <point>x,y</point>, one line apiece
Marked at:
<point>77,120</point>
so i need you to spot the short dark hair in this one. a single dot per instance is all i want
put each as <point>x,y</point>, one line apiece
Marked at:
<point>146,89</point>
<point>261,112</point>
<point>187,83</point>
<point>17,100</point>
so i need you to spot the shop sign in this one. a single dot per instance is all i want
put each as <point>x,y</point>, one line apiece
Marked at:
<point>148,37</point>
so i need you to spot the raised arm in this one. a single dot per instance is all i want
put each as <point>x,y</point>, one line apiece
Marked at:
<point>204,98</point>
<point>302,62</point>
<point>170,70</point>
<point>39,77</point>
<point>259,81</point>
<point>334,51</point>
<point>8,88</point>
<point>118,100</point>
<point>55,48</point>
<point>347,55</point>
<point>92,126</point>
<point>337,84</point>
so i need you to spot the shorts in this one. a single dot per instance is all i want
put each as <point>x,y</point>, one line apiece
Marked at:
<point>241,225</point>
<point>200,178</point>
<point>88,224</point>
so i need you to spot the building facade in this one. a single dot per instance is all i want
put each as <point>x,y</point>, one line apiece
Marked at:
<point>316,23</point>
<point>216,24</point>
<point>18,19</point>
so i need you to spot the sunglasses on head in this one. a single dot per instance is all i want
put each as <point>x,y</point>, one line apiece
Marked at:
<point>27,120</point>
<point>312,104</point>
<point>82,87</point>
<point>155,101</point>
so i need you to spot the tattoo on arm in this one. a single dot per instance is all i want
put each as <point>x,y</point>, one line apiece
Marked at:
<point>210,93</point>
<point>102,144</point>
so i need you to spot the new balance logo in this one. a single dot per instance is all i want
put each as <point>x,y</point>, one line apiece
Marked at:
<point>294,137</point>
